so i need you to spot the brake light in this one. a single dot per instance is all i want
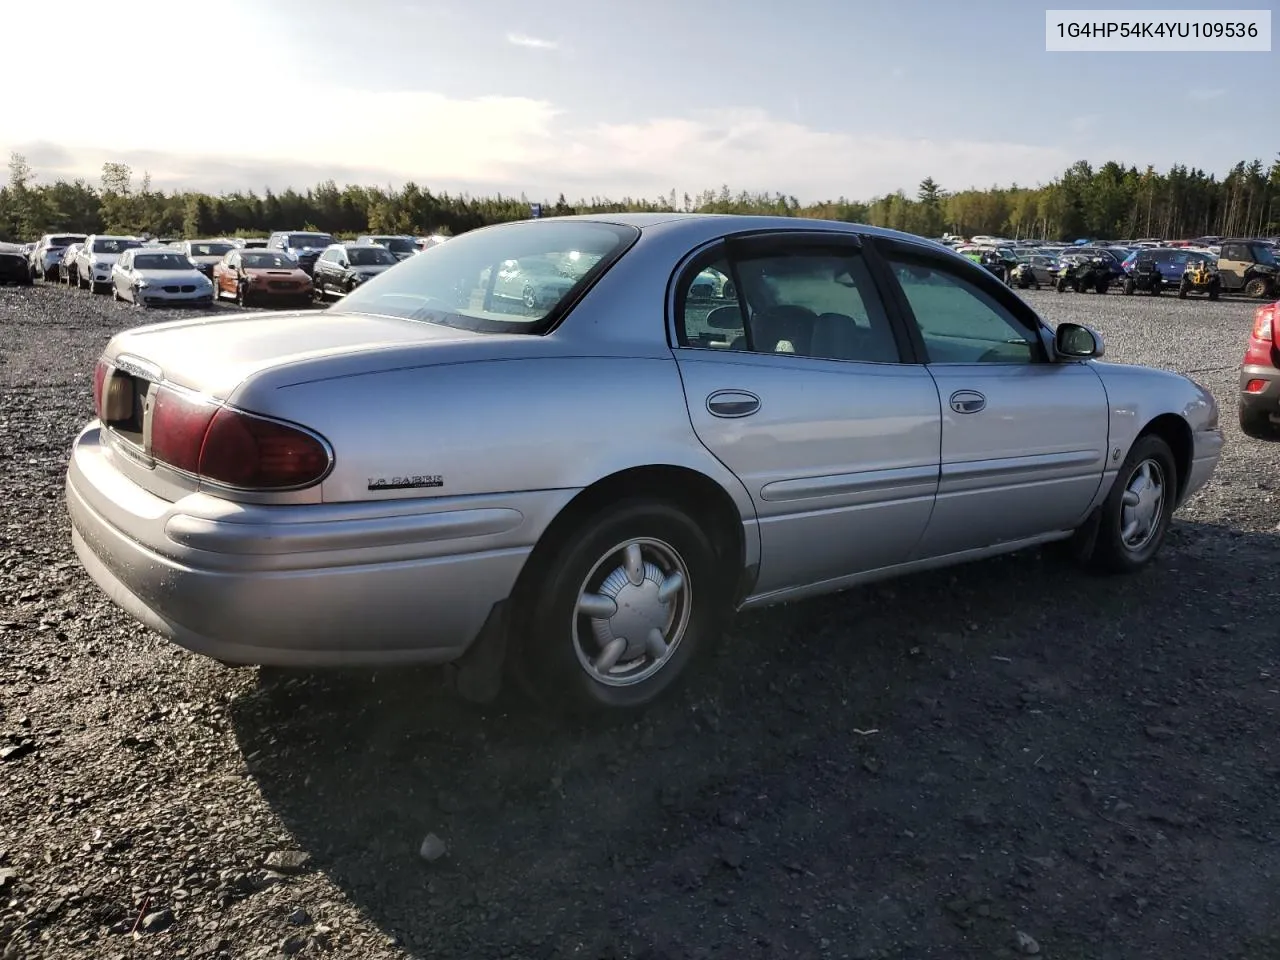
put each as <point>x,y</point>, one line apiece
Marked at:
<point>232,447</point>
<point>1264,322</point>
<point>243,450</point>
<point>179,422</point>
<point>1264,339</point>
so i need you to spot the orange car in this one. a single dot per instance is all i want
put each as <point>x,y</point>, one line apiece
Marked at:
<point>256,276</point>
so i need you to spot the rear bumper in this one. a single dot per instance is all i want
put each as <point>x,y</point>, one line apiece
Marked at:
<point>12,270</point>
<point>1267,399</point>
<point>300,584</point>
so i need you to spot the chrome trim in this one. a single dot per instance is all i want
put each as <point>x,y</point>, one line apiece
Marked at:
<point>904,480</point>
<point>1011,466</point>
<point>233,537</point>
<point>137,367</point>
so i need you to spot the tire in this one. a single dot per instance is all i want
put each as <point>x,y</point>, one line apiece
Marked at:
<point>115,293</point>
<point>559,649</point>
<point>242,294</point>
<point>1129,287</point>
<point>1061,286</point>
<point>1102,286</point>
<point>1149,459</point>
<point>317,292</point>
<point>1257,424</point>
<point>1256,288</point>
<point>1214,290</point>
<point>1182,290</point>
<point>1035,284</point>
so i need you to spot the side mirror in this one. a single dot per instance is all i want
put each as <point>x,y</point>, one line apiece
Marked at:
<point>1075,342</point>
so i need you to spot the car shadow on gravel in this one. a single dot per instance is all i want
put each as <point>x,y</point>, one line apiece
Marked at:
<point>931,765</point>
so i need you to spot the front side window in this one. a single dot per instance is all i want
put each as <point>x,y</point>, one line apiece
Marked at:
<point>959,322</point>
<point>812,302</point>
<point>513,278</point>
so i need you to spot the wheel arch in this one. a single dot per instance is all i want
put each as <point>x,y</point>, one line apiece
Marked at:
<point>1176,432</point>
<point>705,499</point>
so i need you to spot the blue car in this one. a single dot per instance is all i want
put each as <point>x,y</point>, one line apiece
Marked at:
<point>1170,261</point>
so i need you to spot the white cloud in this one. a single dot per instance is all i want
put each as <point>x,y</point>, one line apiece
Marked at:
<point>534,43</point>
<point>1205,94</point>
<point>514,144</point>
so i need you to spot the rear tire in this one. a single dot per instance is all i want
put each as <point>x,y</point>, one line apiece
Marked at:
<point>1182,290</point>
<point>1257,424</point>
<point>1256,288</point>
<point>1137,511</point>
<point>576,664</point>
<point>1129,287</point>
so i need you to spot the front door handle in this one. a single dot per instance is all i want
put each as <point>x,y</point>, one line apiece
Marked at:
<point>968,401</point>
<point>732,403</point>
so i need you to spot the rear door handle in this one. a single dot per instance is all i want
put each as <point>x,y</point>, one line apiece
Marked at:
<point>968,401</point>
<point>732,403</point>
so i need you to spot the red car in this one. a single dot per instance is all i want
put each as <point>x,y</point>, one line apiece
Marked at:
<point>260,276</point>
<point>1260,376</point>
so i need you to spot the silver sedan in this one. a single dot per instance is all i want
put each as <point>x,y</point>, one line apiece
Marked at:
<point>582,491</point>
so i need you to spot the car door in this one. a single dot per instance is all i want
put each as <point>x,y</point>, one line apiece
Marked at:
<point>1233,261</point>
<point>798,382</point>
<point>1024,438</point>
<point>120,273</point>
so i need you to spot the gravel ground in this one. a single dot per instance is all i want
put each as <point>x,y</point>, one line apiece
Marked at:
<point>1031,760</point>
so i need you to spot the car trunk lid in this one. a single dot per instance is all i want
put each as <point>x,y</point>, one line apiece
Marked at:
<point>215,355</point>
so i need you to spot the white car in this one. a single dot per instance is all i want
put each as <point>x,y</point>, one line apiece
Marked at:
<point>96,257</point>
<point>48,252</point>
<point>205,253</point>
<point>150,275</point>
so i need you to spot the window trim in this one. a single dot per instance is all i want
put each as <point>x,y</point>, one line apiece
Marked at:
<point>976,276</point>
<point>731,247</point>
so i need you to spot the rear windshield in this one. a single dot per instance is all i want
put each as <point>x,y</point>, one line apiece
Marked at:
<point>267,261</point>
<point>312,240</point>
<point>514,278</point>
<point>370,256</point>
<point>114,245</point>
<point>66,241</point>
<point>211,249</point>
<point>161,261</point>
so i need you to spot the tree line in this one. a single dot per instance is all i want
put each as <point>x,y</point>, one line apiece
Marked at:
<point>1110,202</point>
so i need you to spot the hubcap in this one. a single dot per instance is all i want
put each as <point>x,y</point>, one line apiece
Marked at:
<point>632,612</point>
<point>1142,505</point>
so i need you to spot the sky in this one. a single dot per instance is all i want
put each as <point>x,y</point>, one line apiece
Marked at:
<point>812,98</point>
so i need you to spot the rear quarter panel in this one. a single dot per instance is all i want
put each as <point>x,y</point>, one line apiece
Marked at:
<point>494,426</point>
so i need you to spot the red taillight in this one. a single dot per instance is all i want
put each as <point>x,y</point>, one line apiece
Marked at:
<point>248,451</point>
<point>179,422</point>
<point>234,448</point>
<point>1255,386</point>
<point>1265,322</point>
<point>99,380</point>
<point>1264,339</point>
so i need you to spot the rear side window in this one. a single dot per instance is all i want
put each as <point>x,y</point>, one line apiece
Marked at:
<point>787,298</point>
<point>513,278</point>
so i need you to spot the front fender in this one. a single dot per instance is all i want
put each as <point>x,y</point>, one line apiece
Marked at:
<point>1137,395</point>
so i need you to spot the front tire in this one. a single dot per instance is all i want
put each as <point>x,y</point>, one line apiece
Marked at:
<point>1139,508</point>
<point>1129,287</point>
<point>619,609</point>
